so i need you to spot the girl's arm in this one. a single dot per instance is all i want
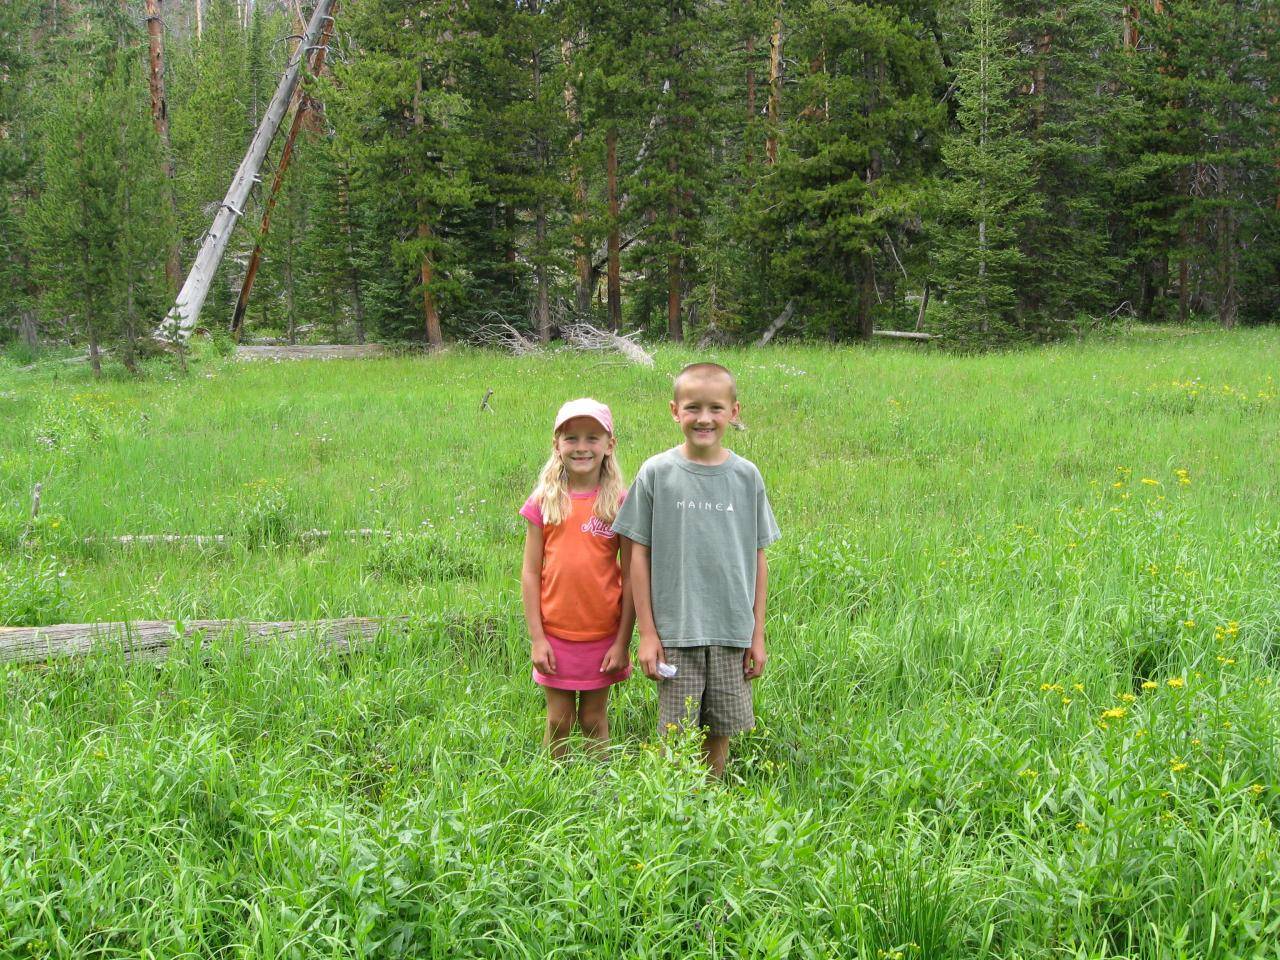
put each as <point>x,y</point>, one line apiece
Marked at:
<point>753,660</point>
<point>531,594</point>
<point>618,656</point>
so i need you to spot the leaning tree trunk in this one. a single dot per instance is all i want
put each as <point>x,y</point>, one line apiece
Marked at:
<point>185,314</point>
<point>302,108</point>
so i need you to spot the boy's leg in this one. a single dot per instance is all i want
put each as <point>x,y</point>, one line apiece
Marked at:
<point>727,706</point>
<point>593,717</point>
<point>717,752</point>
<point>562,711</point>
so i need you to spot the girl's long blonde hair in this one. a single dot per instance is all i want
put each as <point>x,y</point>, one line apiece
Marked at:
<point>552,492</point>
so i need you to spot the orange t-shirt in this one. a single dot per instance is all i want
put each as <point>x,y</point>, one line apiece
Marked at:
<point>581,578</point>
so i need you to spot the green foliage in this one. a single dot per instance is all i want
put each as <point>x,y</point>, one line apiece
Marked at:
<point>989,557</point>
<point>32,590</point>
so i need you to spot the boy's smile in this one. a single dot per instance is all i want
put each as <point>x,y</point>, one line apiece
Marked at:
<point>703,409</point>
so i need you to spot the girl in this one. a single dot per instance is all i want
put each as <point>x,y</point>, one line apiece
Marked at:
<point>578,611</point>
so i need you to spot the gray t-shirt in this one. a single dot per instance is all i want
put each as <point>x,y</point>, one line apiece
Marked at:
<point>703,526</point>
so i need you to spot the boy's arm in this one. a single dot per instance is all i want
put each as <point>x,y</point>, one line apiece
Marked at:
<point>618,656</point>
<point>754,659</point>
<point>531,595</point>
<point>650,651</point>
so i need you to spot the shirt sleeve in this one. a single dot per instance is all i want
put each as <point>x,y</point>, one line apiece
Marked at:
<point>635,516</point>
<point>767,531</point>
<point>532,512</point>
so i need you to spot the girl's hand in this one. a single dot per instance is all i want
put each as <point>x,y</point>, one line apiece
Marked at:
<point>615,658</point>
<point>544,658</point>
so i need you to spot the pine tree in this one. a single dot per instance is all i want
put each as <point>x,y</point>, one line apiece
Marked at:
<point>99,228</point>
<point>1209,79</point>
<point>988,197</point>
<point>401,118</point>
<point>17,155</point>
<point>852,163</point>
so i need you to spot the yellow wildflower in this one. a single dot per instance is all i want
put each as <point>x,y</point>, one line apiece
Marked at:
<point>1177,766</point>
<point>1066,701</point>
<point>1257,789</point>
<point>1150,482</point>
<point>1078,687</point>
<point>1118,483</point>
<point>1226,661</point>
<point>1082,827</point>
<point>1149,685</point>
<point>1128,697</point>
<point>1188,623</point>
<point>1176,682</point>
<point>1115,713</point>
<point>1195,741</point>
<point>1029,773</point>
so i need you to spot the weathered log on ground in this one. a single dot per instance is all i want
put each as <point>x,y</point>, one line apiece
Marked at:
<point>324,351</point>
<point>903,334</point>
<point>152,639</point>
<point>208,539</point>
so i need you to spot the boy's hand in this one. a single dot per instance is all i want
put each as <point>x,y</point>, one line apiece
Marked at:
<point>615,657</point>
<point>544,658</point>
<point>754,658</point>
<point>650,654</point>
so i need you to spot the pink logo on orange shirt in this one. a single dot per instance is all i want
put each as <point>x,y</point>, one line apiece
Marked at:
<point>598,528</point>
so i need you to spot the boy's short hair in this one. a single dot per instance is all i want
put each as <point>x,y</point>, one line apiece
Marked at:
<point>705,371</point>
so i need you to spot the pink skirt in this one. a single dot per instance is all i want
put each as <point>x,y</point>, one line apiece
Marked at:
<point>578,665</point>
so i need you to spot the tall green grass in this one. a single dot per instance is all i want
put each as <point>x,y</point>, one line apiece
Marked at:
<point>1022,700</point>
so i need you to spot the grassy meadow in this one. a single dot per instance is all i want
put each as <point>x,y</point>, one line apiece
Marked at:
<point>1022,702</point>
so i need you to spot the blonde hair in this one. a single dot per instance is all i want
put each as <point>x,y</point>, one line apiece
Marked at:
<point>552,492</point>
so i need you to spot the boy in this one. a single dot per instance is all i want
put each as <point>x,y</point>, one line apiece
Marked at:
<point>699,521</point>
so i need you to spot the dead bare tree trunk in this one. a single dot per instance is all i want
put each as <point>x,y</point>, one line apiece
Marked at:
<point>160,119</point>
<point>751,96</point>
<point>27,328</point>
<point>614,280</point>
<point>775,88</point>
<point>199,20</point>
<point>183,317</point>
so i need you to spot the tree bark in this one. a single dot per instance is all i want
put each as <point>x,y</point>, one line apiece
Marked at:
<point>199,20</point>
<point>751,97</point>
<point>543,307</point>
<point>27,328</point>
<point>430,312</point>
<point>186,311</point>
<point>775,88</point>
<point>160,119</point>
<point>581,256</point>
<point>614,275</point>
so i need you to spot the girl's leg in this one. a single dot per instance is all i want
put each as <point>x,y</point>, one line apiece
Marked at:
<point>593,716</point>
<point>561,714</point>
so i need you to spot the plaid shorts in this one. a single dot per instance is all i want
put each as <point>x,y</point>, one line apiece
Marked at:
<point>708,691</point>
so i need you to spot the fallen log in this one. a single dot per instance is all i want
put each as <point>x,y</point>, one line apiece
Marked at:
<point>152,639</point>
<point>207,539</point>
<point>903,334</point>
<point>321,351</point>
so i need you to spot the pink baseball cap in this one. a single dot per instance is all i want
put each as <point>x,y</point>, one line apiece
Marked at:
<point>585,407</point>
